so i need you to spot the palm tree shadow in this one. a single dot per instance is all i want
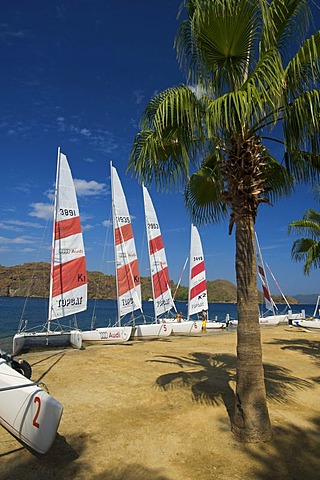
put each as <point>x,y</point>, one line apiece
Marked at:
<point>209,377</point>
<point>309,347</point>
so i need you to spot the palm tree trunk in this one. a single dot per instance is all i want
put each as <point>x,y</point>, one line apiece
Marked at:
<point>251,421</point>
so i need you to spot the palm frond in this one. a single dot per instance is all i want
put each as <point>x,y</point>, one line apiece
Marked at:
<point>303,70</point>
<point>204,193</point>
<point>308,251</point>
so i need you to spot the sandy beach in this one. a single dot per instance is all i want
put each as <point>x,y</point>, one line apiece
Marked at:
<point>161,410</point>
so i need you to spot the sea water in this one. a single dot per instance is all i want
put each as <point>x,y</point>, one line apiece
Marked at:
<point>100,313</point>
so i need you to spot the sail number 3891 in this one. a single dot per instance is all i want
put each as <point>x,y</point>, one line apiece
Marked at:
<point>66,212</point>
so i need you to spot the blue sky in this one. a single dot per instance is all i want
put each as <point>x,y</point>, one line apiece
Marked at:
<point>78,74</point>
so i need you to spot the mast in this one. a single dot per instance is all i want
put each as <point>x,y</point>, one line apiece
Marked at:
<point>190,272</point>
<point>53,241</point>
<point>114,242</point>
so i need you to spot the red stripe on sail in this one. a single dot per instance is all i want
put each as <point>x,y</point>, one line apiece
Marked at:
<point>65,228</point>
<point>155,244</point>
<point>199,268</point>
<point>197,289</point>
<point>266,293</point>
<point>68,276</point>
<point>123,234</point>
<point>128,277</point>
<point>161,282</point>
<point>261,271</point>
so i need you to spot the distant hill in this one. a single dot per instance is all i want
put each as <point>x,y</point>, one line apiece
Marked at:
<point>32,280</point>
<point>308,299</point>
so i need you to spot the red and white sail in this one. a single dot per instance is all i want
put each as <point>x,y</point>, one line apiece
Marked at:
<point>68,281</point>
<point>162,296</point>
<point>127,269</point>
<point>262,275</point>
<point>198,299</point>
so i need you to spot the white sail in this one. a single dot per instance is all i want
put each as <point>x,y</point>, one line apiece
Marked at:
<point>68,281</point>
<point>162,297</point>
<point>127,270</point>
<point>198,299</point>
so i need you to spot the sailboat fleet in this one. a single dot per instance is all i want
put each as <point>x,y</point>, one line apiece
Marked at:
<point>68,280</point>
<point>24,404</point>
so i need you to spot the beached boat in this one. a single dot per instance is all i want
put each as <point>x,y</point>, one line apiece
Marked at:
<point>312,322</point>
<point>164,306</point>
<point>197,292</point>
<point>68,276</point>
<point>26,410</point>
<point>128,285</point>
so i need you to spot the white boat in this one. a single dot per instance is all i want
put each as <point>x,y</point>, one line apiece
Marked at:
<point>197,296</point>
<point>164,306</point>
<point>312,322</point>
<point>26,410</point>
<point>68,276</point>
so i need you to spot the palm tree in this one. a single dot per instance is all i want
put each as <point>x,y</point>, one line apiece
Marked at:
<point>307,250</point>
<point>249,70</point>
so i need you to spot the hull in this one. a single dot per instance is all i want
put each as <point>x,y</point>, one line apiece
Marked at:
<point>186,327</point>
<point>27,411</point>
<point>26,340</point>
<point>212,325</point>
<point>312,324</point>
<point>273,319</point>
<point>270,320</point>
<point>152,330</point>
<point>107,335</point>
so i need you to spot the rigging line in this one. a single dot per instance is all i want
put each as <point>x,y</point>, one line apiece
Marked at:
<point>181,275</point>
<point>283,296</point>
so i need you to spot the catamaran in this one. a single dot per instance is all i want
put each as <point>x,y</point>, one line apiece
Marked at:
<point>312,322</point>
<point>129,301</point>
<point>164,306</point>
<point>197,296</point>
<point>68,276</point>
<point>26,410</point>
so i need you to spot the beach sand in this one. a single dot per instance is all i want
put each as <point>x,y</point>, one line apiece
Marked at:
<point>161,410</point>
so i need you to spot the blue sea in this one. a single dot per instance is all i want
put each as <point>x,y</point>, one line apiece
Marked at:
<point>35,310</point>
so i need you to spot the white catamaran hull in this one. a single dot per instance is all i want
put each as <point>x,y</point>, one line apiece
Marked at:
<point>273,319</point>
<point>213,325</point>
<point>107,335</point>
<point>312,324</point>
<point>23,340</point>
<point>27,411</point>
<point>152,330</point>
<point>185,327</point>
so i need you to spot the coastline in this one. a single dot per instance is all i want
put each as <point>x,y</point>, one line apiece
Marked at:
<point>161,410</point>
